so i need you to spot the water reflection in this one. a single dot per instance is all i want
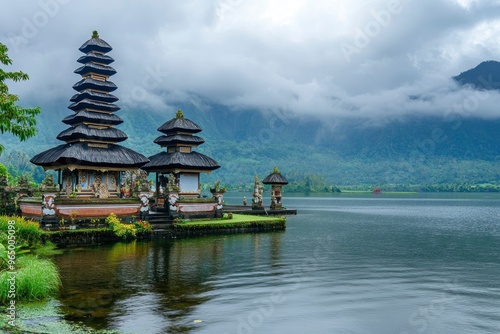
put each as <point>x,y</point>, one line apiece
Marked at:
<point>157,284</point>
<point>344,265</point>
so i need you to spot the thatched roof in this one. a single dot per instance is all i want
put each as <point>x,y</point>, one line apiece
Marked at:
<point>82,131</point>
<point>179,124</point>
<point>115,156</point>
<point>95,68</point>
<point>95,44</point>
<point>87,83</point>
<point>97,57</point>
<point>275,178</point>
<point>167,161</point>
<point>179,139</point>
<point>90,104</point>
<point>89,94</point>
<point>92,107</point>
<point>92,117</point>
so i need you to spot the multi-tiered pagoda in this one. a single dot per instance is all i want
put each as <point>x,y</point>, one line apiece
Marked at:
<point>178,168</point>
<point>90,162</point>
<point>179,157</point>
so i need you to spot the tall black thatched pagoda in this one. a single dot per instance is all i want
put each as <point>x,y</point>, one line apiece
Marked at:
<point>179,159</point>
<point>90,161</point>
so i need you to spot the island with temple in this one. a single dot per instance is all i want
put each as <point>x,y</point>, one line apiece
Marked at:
<point>97,177</point>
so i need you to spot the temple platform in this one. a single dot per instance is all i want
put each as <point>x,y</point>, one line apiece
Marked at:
<point>162,217</point>
<point>247,210</point>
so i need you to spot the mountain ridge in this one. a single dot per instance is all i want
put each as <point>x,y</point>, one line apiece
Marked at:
<point>485,76</point>
<point>412,150</point>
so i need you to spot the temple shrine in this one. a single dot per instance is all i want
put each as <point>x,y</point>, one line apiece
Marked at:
<point>91,161</point>
<point>178,170</point>
<point>95,174</point>
<point>277,181</point>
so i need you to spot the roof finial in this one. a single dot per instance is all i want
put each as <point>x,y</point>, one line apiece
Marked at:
<point>179,114</point>
<point>95,34</point>
<point>276,170</point>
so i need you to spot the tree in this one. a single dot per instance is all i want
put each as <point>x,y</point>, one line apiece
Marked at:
<point>17,120</point>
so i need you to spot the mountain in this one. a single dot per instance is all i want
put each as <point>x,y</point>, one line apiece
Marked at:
<point>484,76</point>
<point>413,150</point>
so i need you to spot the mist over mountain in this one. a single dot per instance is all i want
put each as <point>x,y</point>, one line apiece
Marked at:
<point>484,76</point>
<point>417,149</point>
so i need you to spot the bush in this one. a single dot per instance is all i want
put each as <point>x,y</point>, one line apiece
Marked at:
<point>121,230</point>
<point>143,228</point>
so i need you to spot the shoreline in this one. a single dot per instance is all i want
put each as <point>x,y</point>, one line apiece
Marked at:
<point>240,223</point>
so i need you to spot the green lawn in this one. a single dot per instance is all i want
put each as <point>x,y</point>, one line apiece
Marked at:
<point>235,220</point>
<point>238,221</point>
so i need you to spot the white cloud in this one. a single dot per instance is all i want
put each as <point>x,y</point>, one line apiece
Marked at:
<point>263,54</point>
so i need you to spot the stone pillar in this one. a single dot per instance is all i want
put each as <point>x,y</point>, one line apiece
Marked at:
<point>258,189</point>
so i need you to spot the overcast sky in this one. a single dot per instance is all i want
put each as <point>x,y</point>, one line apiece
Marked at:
<point>343,58</point>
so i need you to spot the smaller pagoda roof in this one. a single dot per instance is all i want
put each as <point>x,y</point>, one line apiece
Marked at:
<point>90,83</point>
<point>275,178</point>
<point>92,117</point>
<point>88,94</point>
<point>90,104</point>
<point>82,131</point>
<point>179,139</point>
<point>179,123</point>
<point>95,44</point>
<point>164,161</point>
<point>84,155</point>
<point>95,57</point>
<point>95,68</point>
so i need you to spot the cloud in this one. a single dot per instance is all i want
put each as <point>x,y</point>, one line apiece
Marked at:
<point>375,60</point>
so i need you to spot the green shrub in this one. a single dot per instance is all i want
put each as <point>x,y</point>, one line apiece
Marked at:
<point>121,230</point>
<point>143,227</point>
<point>112,219</point>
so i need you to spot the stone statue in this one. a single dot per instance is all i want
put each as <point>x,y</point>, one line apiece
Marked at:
<point>172,202</point>
<point>257,194</point>
<point>48,206</point>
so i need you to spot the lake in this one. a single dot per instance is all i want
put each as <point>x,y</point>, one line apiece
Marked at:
<point>345,264</point>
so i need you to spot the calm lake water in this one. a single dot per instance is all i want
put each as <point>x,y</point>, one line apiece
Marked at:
<point>345,264</point>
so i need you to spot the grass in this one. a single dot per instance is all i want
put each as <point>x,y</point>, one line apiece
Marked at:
<point>235,220</point>
<point>36,279</point>
<point>48,249</point>
<point>27,232</point>
<point>238,221</point>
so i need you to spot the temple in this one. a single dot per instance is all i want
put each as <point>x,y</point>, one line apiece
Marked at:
<point>277,181</point>
<point>178,168</point>
<point>90,162</point>
<point>96,176</point>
